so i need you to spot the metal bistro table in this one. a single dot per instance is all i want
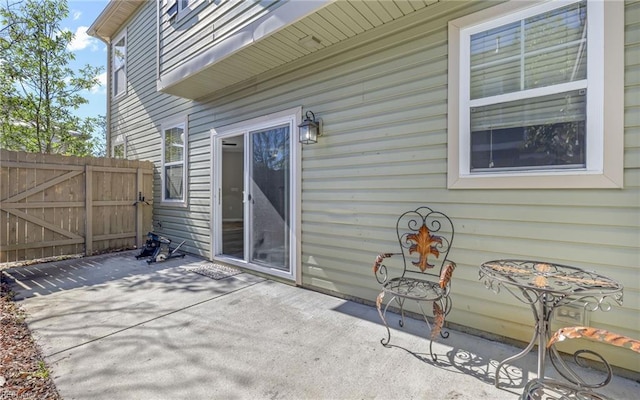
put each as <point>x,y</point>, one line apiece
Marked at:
<point>545,286</point>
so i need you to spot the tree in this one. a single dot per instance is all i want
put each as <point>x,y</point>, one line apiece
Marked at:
<point>38,90</point>
<point>99,128</point>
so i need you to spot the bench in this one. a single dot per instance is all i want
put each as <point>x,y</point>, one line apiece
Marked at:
<point>423,272</point>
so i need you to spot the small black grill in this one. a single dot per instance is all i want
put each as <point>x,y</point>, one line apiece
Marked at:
<point>158,248</point>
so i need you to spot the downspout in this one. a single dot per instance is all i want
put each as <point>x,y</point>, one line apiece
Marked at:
<point>157,41</point>
<point>108,94</point>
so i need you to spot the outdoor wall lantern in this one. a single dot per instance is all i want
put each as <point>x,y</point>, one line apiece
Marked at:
<point>309,129</point>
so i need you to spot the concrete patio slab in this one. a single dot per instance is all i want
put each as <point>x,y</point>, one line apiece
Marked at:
<point>113,327</point>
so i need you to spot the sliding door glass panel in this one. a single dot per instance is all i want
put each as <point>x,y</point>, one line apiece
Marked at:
<point>232,197</point>
<point>269,209</point>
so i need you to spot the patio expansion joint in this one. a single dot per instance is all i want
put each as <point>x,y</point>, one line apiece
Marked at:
<point>154,319</point>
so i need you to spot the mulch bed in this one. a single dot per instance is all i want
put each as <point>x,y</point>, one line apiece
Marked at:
<point>23,372</point>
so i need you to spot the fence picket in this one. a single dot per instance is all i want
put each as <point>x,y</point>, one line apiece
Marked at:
<point>53,205</point>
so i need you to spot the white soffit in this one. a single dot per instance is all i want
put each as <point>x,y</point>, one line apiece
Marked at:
<point>112,18</point>
<point>290,32</point>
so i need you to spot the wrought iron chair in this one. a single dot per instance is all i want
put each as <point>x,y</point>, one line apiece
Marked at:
<point>575,387</point>
<point>425,237</point>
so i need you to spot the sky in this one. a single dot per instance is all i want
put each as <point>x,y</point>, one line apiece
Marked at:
<point>88,50</point>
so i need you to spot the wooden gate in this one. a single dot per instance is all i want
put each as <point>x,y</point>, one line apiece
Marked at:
<point>53,205</point>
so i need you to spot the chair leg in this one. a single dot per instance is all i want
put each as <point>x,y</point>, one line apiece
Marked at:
<point>426,320</point>
<point>400,301</point>
<point>445,304</point>
<point>384,341</point>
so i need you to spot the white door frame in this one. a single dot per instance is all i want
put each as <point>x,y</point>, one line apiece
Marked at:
<point>293,117</point>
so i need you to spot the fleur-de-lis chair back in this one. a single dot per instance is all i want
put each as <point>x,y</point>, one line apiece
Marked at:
<point>425,238</point>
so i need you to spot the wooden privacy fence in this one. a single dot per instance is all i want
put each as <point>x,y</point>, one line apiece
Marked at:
<point>52,205</point>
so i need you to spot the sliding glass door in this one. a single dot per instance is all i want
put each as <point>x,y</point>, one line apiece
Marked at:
<point>255,195</point>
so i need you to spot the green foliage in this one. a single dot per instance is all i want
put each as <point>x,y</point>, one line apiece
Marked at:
<point>42,372</point>
<point>39,92</point>
<point>99,128</point>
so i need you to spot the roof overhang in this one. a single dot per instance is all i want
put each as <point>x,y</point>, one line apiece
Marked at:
<point>272,45</point>
<point>112,18</point>
<point>225,64</point>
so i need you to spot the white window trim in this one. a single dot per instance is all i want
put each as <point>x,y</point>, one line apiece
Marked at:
<point>184,10</point>
<point>604,168</point>
<point>126,65</point>
<point>172,123</point>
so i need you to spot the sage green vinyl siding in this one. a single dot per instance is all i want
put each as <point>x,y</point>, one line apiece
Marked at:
<point>205,26</point>
<point>383,101</point>
<point>139,115</point>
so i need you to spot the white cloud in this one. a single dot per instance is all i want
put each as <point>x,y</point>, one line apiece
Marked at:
<point>76,15</point>
<point>82,41</point>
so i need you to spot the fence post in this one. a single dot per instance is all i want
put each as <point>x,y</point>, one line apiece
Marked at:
<point>139,207</point>
<point>88,205</point>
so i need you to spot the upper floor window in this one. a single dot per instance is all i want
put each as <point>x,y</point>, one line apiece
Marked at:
<point>184,4</point>
<point>174,171</point>
<point>530,98</point>
<point>176,7</point>
<point>119,62</point>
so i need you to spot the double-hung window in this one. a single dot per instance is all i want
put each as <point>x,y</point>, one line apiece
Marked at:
<point>174,171</point>
<point>119,64</point>
<point>529,106</point>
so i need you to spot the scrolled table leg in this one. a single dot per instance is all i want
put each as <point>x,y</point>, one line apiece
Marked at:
<point>517,356</point>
